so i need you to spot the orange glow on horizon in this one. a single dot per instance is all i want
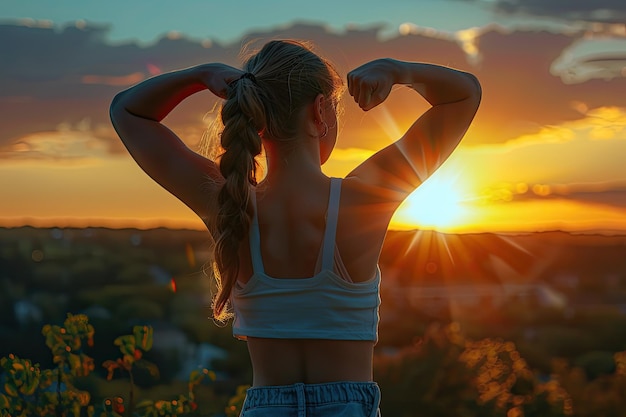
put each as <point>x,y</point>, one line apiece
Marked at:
<point>533,183</point>
<point>469,217</point>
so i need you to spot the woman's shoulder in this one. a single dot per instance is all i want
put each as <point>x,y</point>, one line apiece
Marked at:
<point>361,191</point>
<point>363,204</point>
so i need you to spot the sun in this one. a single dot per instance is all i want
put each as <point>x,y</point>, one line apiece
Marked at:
<point>446,201</point>
<point>440,203</point>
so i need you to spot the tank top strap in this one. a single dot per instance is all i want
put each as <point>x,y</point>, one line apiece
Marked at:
<point>332,214</point>
<point>255,237</point>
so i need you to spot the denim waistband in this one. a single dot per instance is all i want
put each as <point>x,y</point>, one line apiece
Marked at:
<point>314,394</point>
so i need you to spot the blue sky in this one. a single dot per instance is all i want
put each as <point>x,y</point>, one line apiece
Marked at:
<point>148,20</point>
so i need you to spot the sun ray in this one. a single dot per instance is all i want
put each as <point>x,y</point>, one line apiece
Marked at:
<point>386,121</point>
<point>448,276</point>
<point>444,242</point>
<point>511,242</point>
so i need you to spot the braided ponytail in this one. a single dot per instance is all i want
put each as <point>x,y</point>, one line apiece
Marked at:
<point>243,116</point>
<point>279,81</point>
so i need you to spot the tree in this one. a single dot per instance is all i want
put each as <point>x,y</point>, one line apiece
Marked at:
<point>446,374</point>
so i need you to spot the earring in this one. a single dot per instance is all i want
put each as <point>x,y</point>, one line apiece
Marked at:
<point>325,130</point>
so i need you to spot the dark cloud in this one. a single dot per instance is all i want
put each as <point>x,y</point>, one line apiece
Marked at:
<point>609,195</point>
<point>49,63</point>
<point>54,76</point>
<point>606,11</point>
<point>61,76</point>
<point>520,94</point>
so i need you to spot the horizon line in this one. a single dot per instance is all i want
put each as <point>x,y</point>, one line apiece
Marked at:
<point>153,224</point>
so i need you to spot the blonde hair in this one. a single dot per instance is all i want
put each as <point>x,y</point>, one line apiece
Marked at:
<point>279,80</point>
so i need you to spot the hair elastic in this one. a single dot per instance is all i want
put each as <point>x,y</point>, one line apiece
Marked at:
<point>249,76</point>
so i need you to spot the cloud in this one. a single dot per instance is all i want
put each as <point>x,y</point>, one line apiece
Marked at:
<point>521,94</point>
<point>608,194</point>
<point>610,11</point>
<point>53,76</point>
<point>592,57</point>
<point>585,151</point>
<point>123,80</point>
<point>78,144</point>
<point>602,123</point>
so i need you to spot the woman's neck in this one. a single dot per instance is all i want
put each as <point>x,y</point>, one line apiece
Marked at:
<point>292,161</point>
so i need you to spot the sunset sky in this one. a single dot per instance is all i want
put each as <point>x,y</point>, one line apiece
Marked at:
<point>547,149</point>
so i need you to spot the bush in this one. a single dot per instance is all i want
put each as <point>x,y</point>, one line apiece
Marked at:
<point>596,364</point>
<point>28,390</point>
<point>446,374</point>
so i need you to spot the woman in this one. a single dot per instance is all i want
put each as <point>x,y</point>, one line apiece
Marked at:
<point>296,255</point>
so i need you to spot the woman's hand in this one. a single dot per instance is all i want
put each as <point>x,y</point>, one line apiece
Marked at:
<point>218,76</point>
<point>371,83</point>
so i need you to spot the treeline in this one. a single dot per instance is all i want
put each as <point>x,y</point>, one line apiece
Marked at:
<point>517,358</point>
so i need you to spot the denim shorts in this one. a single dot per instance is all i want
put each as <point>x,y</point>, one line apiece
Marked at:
<point>337,399</point>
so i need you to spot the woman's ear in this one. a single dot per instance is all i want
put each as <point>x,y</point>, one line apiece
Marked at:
<point>314,116</point>
<point>319,103</point>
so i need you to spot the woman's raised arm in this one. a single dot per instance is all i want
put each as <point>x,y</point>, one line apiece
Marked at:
<point>136,114</point>
<point>402,166</point>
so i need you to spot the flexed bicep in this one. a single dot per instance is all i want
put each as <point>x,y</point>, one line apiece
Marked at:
<point>136,115</point>
<point>162,155</point>
<point>402,166</point>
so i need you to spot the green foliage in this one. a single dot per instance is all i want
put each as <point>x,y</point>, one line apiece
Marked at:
<point>131,347</point>
<point>596,364</point>
<point>66,344</point>
<point>446,374</point>
<point>135,273</point>
<point>141,309</point>
<point>236,402</point>
<point>112,297</point>
<point>603,396</point>
<point>27,390</point>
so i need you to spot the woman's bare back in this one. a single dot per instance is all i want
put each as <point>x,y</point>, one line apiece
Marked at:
<point>292,229</point>
<point>292,225</point>
<point>310,361</point>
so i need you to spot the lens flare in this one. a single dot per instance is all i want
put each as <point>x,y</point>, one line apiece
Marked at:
<point>440,203</point>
